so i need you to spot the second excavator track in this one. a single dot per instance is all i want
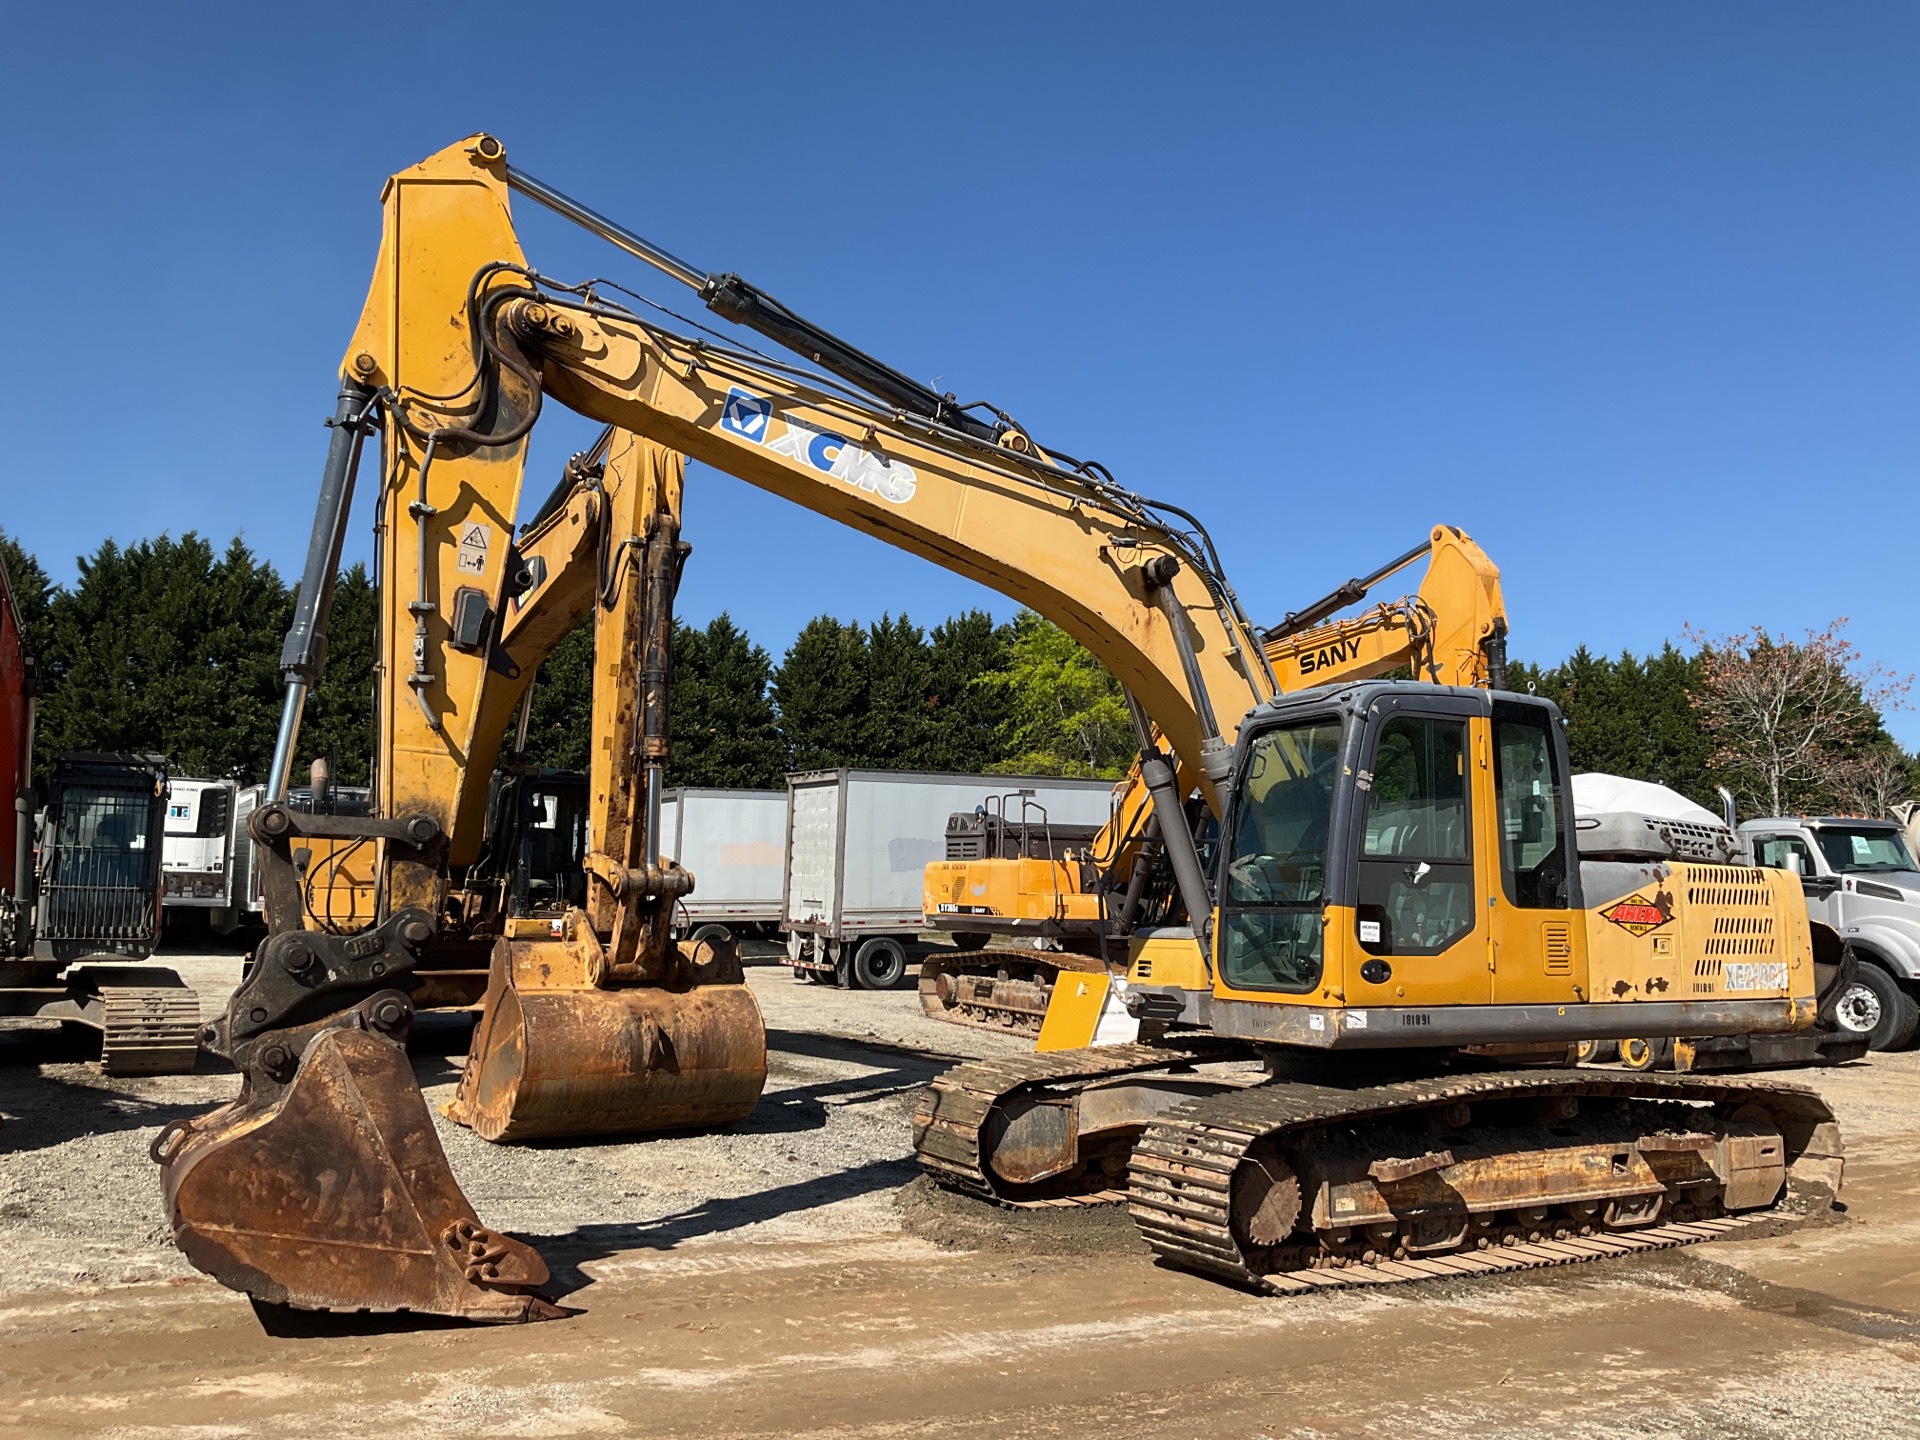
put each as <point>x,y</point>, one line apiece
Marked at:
<point>956,1107</point>
<point>1000,990</point>
<point>1203,1177</point>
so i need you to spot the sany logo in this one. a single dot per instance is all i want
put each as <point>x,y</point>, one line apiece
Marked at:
<point>751,418</point>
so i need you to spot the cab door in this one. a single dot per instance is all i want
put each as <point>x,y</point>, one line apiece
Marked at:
<point>1535,933</point>
<point>1419,933</point>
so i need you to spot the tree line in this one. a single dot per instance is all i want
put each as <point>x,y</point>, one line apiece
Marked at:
<point>172,647</point>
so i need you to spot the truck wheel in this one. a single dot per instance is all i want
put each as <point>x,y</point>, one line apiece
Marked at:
<point>970,940</point>
<point>1874,1005</point>
<point>879,963</point>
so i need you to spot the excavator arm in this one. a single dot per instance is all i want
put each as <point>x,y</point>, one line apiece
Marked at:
<point>597,1023</point>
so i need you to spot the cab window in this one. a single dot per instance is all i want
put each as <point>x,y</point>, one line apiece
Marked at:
<point>1784,852</point>
<point>1415,891</point>
<point>1856,849</point>
<point>1276,876</point>
<point>1527,780</point>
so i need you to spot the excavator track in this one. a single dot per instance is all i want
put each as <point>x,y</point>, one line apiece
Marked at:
<point>149,1031</point>
<point>956,1106</point>
<point>1212,1188</point>
<point>968,987</point>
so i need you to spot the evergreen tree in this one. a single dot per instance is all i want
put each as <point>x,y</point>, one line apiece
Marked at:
<point>820,691</point>
<point>561,721</point>
<point>32,592</point>
<point>1632,717</point>
<point>897,729</point>
<point>338,722</point>
<point>969,714</point>
<point>720,720</point>
<point>163,648</point>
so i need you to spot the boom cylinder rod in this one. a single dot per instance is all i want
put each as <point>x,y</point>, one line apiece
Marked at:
<point>1351,593</point>
<point>1215,759</point>
<point>656,661</point>
<point>734,299</point>
<point>1142,870</point>
<point>1158,776</point>
<point>305,650</point>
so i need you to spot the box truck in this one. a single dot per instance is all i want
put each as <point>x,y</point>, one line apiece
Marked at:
<point>857,847</point>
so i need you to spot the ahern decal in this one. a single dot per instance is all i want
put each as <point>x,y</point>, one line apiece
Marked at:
<point>751,417</point>
<point>1638,915</point>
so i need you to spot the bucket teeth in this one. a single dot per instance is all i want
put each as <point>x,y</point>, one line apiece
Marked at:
<point>334,1194</point>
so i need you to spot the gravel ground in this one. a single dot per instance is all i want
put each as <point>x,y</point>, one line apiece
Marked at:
<point>792,1277</point>
<point>821,1157</point>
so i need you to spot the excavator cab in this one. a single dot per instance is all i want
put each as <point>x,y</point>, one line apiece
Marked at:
<point>1387,838</point>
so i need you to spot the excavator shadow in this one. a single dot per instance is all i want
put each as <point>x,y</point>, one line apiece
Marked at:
<point>283,1322</point>
<point>44,1110</point>
<point>568,1250</point>
<point>816,1045</point>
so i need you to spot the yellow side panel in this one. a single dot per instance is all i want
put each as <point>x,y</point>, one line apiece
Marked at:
<point>1074,1012</point>
<point>1698,932</point>
<point>1009,889</point>
<point>1167,960</point>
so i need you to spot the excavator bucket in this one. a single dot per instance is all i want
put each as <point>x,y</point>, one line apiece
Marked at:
<point>331,1192</point>
<point>556,1054</point>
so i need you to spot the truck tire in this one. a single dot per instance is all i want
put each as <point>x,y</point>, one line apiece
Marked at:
<point>1874,1005</point>
<point>879,964</point>
<point>970,940</point>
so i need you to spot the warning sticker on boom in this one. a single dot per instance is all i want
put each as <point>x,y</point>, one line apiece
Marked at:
<point>474,540</point>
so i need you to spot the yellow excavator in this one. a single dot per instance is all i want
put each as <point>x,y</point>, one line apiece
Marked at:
<point>1311,1082</point>
<point>1027,882</point>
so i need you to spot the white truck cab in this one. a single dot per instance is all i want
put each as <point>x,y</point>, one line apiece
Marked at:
<point>1862,880</point>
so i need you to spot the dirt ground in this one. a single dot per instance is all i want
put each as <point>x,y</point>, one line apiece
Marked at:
<point>792,1278</point>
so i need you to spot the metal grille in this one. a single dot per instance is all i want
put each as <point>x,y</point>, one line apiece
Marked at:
<point>1558,942</point>
<point>98,878</point>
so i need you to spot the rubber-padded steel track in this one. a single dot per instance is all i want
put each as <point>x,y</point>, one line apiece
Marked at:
<point>1183,1166</point>
<point>952,1109</point>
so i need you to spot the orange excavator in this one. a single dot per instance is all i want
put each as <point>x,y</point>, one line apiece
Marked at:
<point>1392,889</point>
<point>1058,908</point>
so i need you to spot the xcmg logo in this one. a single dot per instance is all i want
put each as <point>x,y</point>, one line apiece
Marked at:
<point>752,417</point>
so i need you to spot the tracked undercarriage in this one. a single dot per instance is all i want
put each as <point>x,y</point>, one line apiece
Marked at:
<point>1002,990</point>
<point>1286,1186</point>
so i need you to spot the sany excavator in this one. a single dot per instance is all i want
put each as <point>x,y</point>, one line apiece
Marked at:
<point>1082,904</point>
<point>1309,1081</point>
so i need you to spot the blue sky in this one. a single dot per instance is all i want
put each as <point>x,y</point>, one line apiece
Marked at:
<point>1629,292</point>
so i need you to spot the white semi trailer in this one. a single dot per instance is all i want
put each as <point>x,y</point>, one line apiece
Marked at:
<point>857,847</point>
<point>197,848</point>
<point>734,842</point>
